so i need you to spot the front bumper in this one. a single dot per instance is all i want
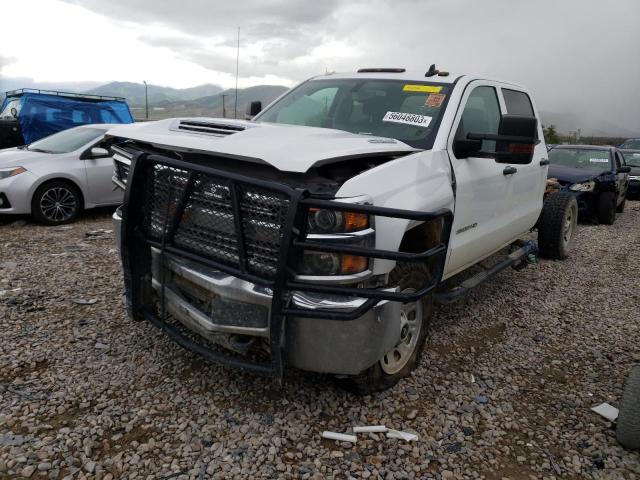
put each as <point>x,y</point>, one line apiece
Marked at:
<point>15,193</point>
<point>634,188</point>
<point>319,345</point>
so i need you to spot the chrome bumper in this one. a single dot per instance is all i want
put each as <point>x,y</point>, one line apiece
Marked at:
<point>319,345</point>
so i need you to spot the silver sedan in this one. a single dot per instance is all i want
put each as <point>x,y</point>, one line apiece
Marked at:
<point>57,177</point>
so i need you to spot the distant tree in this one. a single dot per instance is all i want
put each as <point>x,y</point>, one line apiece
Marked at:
<point>550,134</point>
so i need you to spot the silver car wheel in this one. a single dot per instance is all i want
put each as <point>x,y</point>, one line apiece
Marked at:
<point>58,204</point>
<point>410,326</point>
<point>569,226</point>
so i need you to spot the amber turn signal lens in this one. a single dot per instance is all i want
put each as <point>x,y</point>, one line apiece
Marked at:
<point>353,264</point>
<point>355,221</point>
<point>521,148</point>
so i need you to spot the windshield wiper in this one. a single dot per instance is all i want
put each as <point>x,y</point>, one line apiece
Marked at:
<point>40,150</point>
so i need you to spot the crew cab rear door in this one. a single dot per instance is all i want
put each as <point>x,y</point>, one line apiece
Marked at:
<point>527,182</point>
<point>484,204</point>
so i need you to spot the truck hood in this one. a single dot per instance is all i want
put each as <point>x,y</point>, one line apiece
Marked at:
<point>288,148</point>
<point>572,175</point>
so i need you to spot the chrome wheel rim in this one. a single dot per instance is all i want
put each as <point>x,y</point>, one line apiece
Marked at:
<point>410,325</point>
<point>58,204</point>
<point>569,225</point>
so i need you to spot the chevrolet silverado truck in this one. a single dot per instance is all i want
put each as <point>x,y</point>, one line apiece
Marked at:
<point>318,234</point>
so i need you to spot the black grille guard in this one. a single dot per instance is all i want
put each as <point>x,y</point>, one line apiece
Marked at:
<point>136,255</point>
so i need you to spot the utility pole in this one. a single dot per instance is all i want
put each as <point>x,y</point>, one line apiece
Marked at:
<point>224,109</point>
<point>235,106</point>
<point>146,100</point>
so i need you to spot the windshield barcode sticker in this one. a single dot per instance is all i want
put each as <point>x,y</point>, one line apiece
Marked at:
<point>407,118</point>
<point>599,160</point>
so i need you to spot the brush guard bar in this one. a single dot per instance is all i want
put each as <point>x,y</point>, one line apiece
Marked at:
<point>136,253</point>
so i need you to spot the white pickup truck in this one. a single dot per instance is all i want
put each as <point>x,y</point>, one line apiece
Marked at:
<point>317,233</point>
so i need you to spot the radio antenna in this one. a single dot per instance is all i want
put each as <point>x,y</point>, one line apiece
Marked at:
<point>235,106</point>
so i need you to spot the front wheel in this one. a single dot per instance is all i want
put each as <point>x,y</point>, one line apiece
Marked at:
<point>620,208</point>
<point>607,208</point>
<point>414,322</point>
<point>56,203</point>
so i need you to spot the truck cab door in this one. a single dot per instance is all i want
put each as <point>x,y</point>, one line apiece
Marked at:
<point>482,185</point>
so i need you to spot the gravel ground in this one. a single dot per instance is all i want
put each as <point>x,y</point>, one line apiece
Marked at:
<point>503,391</point>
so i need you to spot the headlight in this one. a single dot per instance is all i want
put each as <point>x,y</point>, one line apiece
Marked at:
<point>634,177</point>
<point>11,172</point>
<point>333,221</point>
<point>325,263</point>
<point>583,187</point>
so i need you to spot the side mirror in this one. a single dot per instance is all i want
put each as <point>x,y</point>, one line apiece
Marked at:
<point>253,109</point>
<point>97,152</point>
<point>464,148</point>
<point>624,169</point>
<point>515,141</point>
<point>14,112</point>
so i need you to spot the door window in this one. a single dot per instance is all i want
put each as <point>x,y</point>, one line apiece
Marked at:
<point>517,103</point>
<point>481,114</point>
<point>618,161</point>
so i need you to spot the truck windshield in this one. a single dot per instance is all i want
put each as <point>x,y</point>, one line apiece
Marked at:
<point>67,140</point>
<point>583,158</point>
<point>404,110</point>
<point>6,111</point>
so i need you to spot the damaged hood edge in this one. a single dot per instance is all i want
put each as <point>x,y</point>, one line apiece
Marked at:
<point>288,148</point>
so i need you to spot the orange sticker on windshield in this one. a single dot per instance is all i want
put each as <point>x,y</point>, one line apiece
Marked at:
<point>435,100</point>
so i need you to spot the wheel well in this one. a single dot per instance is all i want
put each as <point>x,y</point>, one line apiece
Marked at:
<point>62,180</point>
<point>422,237</point>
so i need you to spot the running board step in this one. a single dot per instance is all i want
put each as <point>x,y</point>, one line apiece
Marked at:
<point>457,293</point>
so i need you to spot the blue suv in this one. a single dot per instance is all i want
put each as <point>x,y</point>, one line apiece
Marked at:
<point>28,115</point>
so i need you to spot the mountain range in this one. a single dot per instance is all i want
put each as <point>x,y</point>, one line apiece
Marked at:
<point>134,92</point>
<point>200,101</point>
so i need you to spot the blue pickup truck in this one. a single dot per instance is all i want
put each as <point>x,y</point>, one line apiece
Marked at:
<point>28,115</point>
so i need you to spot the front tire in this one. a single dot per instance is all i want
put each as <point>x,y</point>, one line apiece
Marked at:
<point>557,225</point>
<point>56,203</point>
<point>607,208</point>
<point>415,319</point>
<point>628,423</point>
<point>620,208</point>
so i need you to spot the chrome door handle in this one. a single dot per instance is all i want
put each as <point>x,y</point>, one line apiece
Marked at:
<point>509,170</point>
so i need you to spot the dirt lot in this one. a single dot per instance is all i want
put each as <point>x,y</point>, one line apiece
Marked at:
<point>503,391</point>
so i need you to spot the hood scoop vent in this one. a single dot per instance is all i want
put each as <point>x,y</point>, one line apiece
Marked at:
<point>209,127</point>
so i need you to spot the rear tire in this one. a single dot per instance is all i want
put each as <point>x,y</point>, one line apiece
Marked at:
<point>628,424</point>
<point>56,202</point>
<point>557,225</point>
<point>607,208</point>
<point>402,359</point>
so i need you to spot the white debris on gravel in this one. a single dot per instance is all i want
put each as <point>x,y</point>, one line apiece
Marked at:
<point>607,411</point>
<point>87,393</point>
<point>341,437</point>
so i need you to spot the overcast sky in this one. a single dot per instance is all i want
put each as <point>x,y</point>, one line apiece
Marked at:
<point>578,56</point>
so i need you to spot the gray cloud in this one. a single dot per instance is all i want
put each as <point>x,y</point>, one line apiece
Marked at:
<point>4,61</point>
<point>578,56</point>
